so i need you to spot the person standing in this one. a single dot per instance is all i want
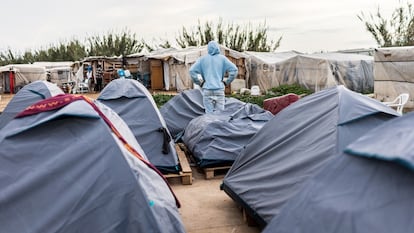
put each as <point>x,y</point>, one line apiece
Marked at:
<point>212,67</point>
<point>99,79</point>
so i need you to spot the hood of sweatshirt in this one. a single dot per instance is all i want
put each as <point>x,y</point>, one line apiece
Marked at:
<point>213,48</point>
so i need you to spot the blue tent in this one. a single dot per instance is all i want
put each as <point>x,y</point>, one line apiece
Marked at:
<point>136,106</point>
<point>184,107</point>
<point>28,95</point>
<point>295,144</point>
<point>367,188</point>
<point>217,139</point>
<point>76,167</point>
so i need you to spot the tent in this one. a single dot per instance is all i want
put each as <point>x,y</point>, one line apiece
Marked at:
<point>78,168</point>
<point>313,71</point>
<point>136,106</point>
<point>367,188</point>
<point>28,95</point>
<point>14,77</point>
<point>217,139</point>
<point>186,106</point>
<point>393,72</point>
<point>295,144</point>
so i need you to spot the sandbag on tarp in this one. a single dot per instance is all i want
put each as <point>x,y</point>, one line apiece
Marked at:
<point>136,106</point>
<point>295,144</point>
<point>66,170</point>
<point>217,139</point>
<point>355,194</point>
<point>28,95</point>
<point>187,105</point>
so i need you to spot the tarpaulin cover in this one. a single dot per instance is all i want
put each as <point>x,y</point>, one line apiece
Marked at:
<point>362,190</point>
<point>136,106</point>
<point>295,144</point>
<point>65,171</point>
<point>186,106</point>
<point>217,139</point>
<point>28,95</point>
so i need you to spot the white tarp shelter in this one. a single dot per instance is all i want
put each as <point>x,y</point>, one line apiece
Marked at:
<point>393,72</point>
<point>13,77</point>
<point>176,64</point>
<point>312,71</point>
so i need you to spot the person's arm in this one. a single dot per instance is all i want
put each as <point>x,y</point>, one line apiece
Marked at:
<point>232,71</point>
<point>194,72</point>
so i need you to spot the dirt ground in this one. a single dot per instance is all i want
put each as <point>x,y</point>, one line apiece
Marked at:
<point>204,207</point>
<point>207,209</point>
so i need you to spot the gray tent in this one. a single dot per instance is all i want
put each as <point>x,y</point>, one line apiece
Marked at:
<point>364,189</point>
<point>28,95</point>
<point>295,144</point>
<point>66,170</point>
<point>135,105</point>
<point>186,106</point>
<point>217,139</point>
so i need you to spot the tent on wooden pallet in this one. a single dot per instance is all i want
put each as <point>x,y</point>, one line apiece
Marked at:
<point>295,144</point>
<point>186,106</point>
<point>367,188</point>
<point>216,139</point>
<point>28,95</point>
<point>135,105</point>
<point>78,168</point>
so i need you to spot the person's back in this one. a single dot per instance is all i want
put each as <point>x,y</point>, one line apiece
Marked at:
<point>212,68</point>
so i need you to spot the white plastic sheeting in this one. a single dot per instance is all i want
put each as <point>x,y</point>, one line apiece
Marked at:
<point>393,72</point>
<point>312,71</point>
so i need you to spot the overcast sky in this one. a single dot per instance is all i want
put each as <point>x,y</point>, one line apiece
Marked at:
<point>305,25</point>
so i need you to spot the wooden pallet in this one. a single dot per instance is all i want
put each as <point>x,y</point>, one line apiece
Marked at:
<point>215,172</point>
<point>186,173</point>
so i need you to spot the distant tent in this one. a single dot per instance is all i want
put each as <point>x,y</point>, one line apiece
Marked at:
<point>28,95</point>
<point>368,188</point>
<point>136,106</point>
<point>295,144</point>
<point>186,106</point>
<point>217,139</point>
<point>14,77</point>
<point>74,173</point>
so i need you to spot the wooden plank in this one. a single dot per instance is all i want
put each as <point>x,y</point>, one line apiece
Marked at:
<point>186,174</point>
<point>215,172</point>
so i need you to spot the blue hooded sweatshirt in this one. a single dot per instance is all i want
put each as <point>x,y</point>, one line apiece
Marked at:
<point>212,68</point>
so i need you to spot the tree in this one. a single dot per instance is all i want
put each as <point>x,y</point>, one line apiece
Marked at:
<point>233,36</point>
<point>397,31</point>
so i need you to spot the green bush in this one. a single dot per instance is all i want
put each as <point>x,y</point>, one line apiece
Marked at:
<point>161,99</point>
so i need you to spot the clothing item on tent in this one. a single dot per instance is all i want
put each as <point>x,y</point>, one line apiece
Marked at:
<point>69,164</point>
<point>277,104</point>
<point>28,95</point>
<point>367,188</point>
<point>186,106</point>
<point>295,144</point>
<point>217,139</point>
<point>136,106</point>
